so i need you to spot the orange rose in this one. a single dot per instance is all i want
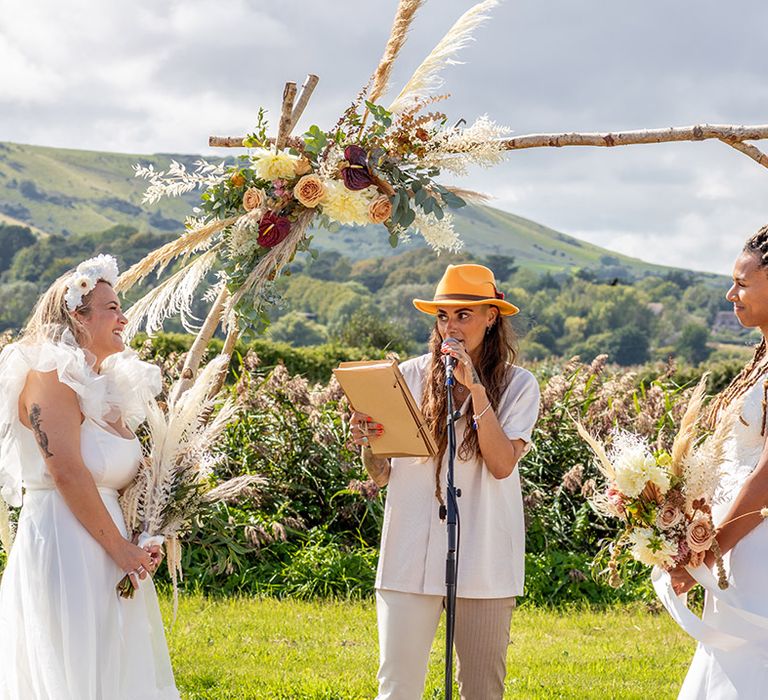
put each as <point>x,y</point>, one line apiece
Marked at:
<point>252,199</point>
<point>700,534</point>
<point>380,209</point>
<point>303,166</point>
<point>309,190</point>
<point>237,180</point>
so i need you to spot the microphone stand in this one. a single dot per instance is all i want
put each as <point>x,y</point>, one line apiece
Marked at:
<point>450,513</point>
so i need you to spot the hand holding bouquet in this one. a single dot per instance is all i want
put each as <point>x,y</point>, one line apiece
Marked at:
<point>174,485</point>
<point>663,499</point>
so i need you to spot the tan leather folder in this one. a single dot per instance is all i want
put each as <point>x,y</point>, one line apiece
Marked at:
<point>378,389</point>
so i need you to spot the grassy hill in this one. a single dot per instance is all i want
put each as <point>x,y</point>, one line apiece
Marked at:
<point>55,190</point>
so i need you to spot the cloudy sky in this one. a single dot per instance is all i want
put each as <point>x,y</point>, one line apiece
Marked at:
<point>161,75</point>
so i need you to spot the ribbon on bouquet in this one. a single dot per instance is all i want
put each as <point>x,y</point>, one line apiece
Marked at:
<point>751,626</point>
<point>147,540</point>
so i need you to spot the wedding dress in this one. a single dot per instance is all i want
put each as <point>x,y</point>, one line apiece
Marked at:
<point>64,632</point>
<point>731,659</point>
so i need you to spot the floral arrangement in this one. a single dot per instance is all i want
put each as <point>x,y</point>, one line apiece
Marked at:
<point>88,273</point>
<point>377,165</point>
<point>174,485</point>
<point>662,498</point>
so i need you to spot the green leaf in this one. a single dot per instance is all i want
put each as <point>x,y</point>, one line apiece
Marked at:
<point>407,218</point>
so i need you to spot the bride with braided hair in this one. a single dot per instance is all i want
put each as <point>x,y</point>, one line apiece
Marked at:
<point>71,397</point>
<point>731,660</point>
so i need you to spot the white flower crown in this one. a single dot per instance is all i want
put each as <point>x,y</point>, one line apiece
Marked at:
<point>85,277</point>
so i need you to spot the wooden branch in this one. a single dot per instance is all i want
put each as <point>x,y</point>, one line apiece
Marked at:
<point>698,132</point>
<point>284,129</point>
<point>199,346</point>
<point>748,149</point>
<point>301,104</point>
<point>734,136</point>
<point>237,142</point>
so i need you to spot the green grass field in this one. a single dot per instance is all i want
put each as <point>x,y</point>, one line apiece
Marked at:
<point>246,648</point>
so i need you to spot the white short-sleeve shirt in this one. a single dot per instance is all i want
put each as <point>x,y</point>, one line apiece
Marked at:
<point>492,546</point>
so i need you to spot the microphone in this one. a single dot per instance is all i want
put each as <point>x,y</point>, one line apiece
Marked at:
<point>450,362</point>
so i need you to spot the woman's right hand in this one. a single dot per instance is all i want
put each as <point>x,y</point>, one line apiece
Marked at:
<point>364,429</point>
<point>133,561</point>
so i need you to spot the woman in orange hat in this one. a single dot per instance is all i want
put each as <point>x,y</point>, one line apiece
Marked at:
<point>498,404</point>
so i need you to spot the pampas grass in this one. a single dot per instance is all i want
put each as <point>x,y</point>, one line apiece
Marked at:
<point>406,11</point>
<point>174,296</point>
<point>426,79</point>
<point>687,433</point>
<point>173,484</point>
<point>597,447</point>
<point>191,242</point>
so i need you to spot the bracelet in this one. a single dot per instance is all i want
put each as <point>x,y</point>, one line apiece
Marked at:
<point>477,416</point>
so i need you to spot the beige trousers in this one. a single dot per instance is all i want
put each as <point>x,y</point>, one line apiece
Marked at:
<point>407,625</point>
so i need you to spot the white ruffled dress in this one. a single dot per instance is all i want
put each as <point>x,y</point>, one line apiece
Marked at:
<point>731,660</point>
<point>64,632</point>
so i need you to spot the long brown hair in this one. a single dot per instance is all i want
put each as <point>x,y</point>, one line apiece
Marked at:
<point>752,372</point>
<point>498,351</point>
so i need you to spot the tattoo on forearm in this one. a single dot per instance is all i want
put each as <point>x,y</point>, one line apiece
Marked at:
<point>475,377</point>
<point>40,436</point>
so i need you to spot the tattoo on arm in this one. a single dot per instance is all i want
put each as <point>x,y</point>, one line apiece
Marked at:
<point>475,377</point>
<point>40,436</point>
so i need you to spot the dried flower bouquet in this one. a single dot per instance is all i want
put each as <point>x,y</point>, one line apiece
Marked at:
<point>174,485</point>
<point>663,499</point>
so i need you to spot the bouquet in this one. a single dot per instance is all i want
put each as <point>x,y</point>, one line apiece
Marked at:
<point>663,499</point>
<point>174,485</point>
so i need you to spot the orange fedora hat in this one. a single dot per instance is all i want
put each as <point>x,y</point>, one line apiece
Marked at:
<point>466,285</point>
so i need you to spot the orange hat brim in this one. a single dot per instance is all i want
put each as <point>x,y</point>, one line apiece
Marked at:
<point>431,307</point>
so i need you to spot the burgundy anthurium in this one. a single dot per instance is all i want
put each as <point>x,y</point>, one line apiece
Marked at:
<point>355,172</point>
<point>273,229</point>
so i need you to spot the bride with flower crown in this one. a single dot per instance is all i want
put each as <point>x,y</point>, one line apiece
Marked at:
<point>71,396</point>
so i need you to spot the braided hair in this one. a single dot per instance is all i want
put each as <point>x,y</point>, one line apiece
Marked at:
<point>755,369</point>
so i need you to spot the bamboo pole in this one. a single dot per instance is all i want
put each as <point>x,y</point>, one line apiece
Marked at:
<point>229,347</point>
<point>200,344</point>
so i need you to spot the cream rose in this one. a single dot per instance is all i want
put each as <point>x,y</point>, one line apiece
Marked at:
<point>310,191</point>
<point>668,516</point>
<point>700,534</point>
<point>252,199</point>
<point>380,209</point>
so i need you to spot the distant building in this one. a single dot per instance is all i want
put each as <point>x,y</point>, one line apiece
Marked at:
<point>656,307</point>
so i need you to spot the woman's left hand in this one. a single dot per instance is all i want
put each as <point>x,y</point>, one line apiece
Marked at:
<point>464,372</point>
<point>682,581</point>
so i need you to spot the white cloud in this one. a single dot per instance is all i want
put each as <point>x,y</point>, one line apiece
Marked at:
<point>154,76</point>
